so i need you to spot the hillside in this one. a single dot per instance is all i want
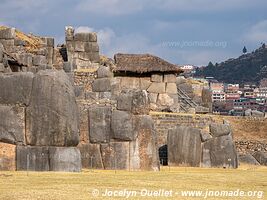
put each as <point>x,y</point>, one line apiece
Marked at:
<point>248,68</point>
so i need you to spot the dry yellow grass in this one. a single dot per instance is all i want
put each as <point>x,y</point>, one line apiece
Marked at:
<point>75,186</point>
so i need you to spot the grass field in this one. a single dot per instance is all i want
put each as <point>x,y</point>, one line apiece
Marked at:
<point>76,186</point>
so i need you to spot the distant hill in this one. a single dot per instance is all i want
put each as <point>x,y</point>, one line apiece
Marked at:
<point>248,68</point>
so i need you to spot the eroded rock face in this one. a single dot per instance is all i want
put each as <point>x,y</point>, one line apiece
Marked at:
<point>184,146</point>
<point>16,88</point>
<point>12,124</point>
<point>220,152</point>
<point>7,157</point>
<point>248,159</point>
<point>261,157</point>
<point>219,129</point>
<point>52,116</point>
<point>100,124</point>
<point>91,156</point>
<point>143,150</point>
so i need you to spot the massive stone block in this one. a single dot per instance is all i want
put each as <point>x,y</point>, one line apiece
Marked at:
<point>184,146</point>
<point>170,78</point>
<point>261,157</point>
<point>7,157</point>
<point>101,85</point>
<point>32,158</point>
<point>104,72</point>
<point>84,125</point>
<point>219,129</point>
<point>16,88</point>
<point>66,159</point>
<point>157,88</point>
<point>91,156</point>
<point>115,155</point>
<point>99,124</point>
<point>129,83</point>
<point>171,88</point>
<point>52,116</point>
<point>165,100</point>
<point>122,125</point>
<point>248,159</point>
<point>12,124</point>
<point>7,33</point>
<point>220,152</point>
<point>143,150</point>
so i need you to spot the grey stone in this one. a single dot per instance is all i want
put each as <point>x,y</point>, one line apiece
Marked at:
<point>104,72</point>
<point>19,42</point>
<point>248,112</point>
<point>157,88</point>
<point>115,155</point>
<point>220,152</point>
<point>157,78</point>
<point>93,96</point>
<point>1,55</point>
<point>153,97</point>
<point>171,88</point>
<point>52,116</point>
<point>7,157</point>
<point>92,37</point>
<point>256,113</point>
<point>69,33</point>
<point>219,129</point>
<point>32,158</point>
<point>144,84</point>
<point>99,124</point>
<point>16,88</point>
<point>261,157</point>
<point>39,60</point>
<point>67,66</point>
<point>122,125</point>
<point>184,146</point>
<point>165,100</point>
<point>140,102</point>
<point>7,33</point>
<point>101,85</point>
<point>124,100</point>
<point>105,95</point>
<point>12,124</point>
<point>91,47</point>
<point>84,37</point>
<point>79,46</point>
<point>170,78</point>
<point>143,150</point>
<point>26,59</point>
<point>48,41</point>
<point>205,136</point>
<point>2,68</point>
<point>91,156</point>
<point>79,91</point>
<point>248,159</point>
<point>67,159</point>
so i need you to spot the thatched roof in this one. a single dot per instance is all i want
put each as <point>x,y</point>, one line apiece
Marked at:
<point>143,63</point>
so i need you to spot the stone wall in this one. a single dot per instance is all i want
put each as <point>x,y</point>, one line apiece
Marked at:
<point>82,48</point>
<point>165,121</point>
<point>38,122</point>
<point>19,54</point>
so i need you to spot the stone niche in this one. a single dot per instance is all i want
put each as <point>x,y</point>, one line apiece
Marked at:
<point>193,147</point>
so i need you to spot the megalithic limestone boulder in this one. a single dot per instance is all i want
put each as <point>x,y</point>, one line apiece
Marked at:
<point>16,88</point>
<point>52,116</point>
<point>220,152</point>
<point>91,156</point>
<point>184,146</point>
<point>261,157</point>
<point>143,150</point>
<point>32,158</point>
<point>12,124</point>
<point>66,159</point>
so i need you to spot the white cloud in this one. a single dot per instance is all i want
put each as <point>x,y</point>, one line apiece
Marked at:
<point>257,33</point>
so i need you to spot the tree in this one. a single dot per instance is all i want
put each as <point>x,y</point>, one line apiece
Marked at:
<point>210,64</point>
<point>244,50</point>
<point>263,46</point>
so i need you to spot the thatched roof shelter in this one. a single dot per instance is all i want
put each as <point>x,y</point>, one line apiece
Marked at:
<point>143,63</point>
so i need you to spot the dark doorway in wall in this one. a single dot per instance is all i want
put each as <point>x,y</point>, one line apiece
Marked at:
<point>163,155</point>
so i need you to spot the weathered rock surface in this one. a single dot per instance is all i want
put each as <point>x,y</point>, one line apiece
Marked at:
<point>261,157</point>
<point>248,159</point>
<point>91,156</point>
<point>66,159</point>
<point>115,155</point>
<point>52,117</point>
<point>219,129</point>
<point>122,125</point>
<point>220,152</point>
<point>7,157</point>
<point>143,150</point>
<point>12,124</point>
<point>157,88</point>
<point>102,85</point>
<point>184,146</point>
<point>104,72</point>
<point>99,124</point>
<point>165,100</point>
<point>16,88</point>
<point>32,158</point>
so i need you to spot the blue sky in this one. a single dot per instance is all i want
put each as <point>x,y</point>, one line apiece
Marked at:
<point>181,31</point>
